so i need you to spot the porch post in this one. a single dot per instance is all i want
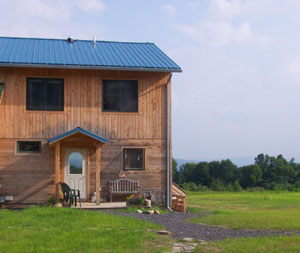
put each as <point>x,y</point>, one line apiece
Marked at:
<point>98,161</point>
<point>57,170</point>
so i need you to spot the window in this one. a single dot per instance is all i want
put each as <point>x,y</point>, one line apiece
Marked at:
<point>134,158</point>
<point>44,94</point>
<point>120,96</point>
<point>75,163</point>
<point>29,147</point>
<point>1,91</point>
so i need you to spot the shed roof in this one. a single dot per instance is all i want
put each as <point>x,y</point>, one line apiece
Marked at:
<point>77,130</point>
<point>59,53</point>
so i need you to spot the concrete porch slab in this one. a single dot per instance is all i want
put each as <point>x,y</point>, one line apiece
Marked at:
<point>107,205</point>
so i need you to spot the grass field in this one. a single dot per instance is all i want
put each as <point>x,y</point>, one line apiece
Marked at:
<point>257,245</point>
<point>247,210</point>
<point>67,230</point>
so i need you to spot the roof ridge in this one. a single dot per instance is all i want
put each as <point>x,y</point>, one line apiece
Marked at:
<point>74,40</point>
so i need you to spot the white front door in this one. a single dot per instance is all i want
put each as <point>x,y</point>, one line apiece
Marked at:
<point>75,170</point>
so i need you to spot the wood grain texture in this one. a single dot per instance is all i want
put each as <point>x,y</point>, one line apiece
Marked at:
<point>57,168</point>
<point>98,162</point>
<point>31,178</point>
<point>83,105</point>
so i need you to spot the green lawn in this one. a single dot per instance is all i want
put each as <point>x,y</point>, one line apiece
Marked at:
<point>261,244</point>
<point>247,210</point>
<point>49,229</point>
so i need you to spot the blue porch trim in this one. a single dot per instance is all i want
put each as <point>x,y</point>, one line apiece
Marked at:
<point>77,130</point>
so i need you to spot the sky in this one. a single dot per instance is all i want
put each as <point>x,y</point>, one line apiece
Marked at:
<point>239,92</point>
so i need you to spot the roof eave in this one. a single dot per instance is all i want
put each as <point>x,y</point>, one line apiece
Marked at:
<point>20,65</point>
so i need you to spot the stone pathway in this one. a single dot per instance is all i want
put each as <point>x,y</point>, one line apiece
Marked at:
<point>178,226</point>
<point>187,245</point>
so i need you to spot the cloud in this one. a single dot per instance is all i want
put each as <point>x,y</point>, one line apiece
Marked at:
<point>294,67</point>
<point>49,18</point>
<point>222,33</point>
<point>170,9</point>
<point>223,23</point>
<point>90,5</point>
<point>192,4</point>
<point>225,9</point>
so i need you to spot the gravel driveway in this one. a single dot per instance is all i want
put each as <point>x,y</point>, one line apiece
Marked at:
<point>177,225</point>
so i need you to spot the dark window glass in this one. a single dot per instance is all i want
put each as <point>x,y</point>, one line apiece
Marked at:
<point>120,96</point>
<point>129,101</point>
<point>45,94</point>
<point>29,147</point>
<point>54,95</point>
<point>134,159</point>
<point>35,96</point>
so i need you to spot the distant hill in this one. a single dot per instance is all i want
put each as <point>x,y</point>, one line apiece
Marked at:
<point>239,161</point>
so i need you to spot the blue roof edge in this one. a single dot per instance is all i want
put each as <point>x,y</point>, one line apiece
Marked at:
<point>78,130</point>
<point>90,67</point>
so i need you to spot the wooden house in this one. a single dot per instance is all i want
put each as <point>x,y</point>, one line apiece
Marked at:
<point>85,113</point>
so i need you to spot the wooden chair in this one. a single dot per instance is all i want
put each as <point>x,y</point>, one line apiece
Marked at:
<point>123,186</point>
<point>70,195</point>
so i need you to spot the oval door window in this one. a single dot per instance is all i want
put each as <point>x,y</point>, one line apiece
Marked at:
<point>75,163</point>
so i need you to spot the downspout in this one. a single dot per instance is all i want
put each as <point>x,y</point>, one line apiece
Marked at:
<point>168,145</point>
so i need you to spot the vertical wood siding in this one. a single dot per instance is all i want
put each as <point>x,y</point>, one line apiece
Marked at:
<point>30,177</point>
<point>83,106</point>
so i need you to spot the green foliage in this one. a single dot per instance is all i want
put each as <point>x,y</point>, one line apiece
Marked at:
<point>136,201</point>
<point>191,186</point>
<point>269,172</point>
<point>250,175</point>
<point>255,189</point>
<point>217,185</point>
<point>236,187</point>
<point>175,173</point>
<point>52,201</point>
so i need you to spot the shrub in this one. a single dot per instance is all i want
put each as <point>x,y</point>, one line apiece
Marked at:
<point>52,201</point>
<point>229,188</point>
<point>135,201</point>
<point>255,189</point>
<point>279,187</point>
<point>236,187</point>
<point>217,185</point>
<point>190,186</point>
<point>203,188</point>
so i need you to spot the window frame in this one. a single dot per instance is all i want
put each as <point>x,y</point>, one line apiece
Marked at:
<point>18,151</point>
<point>45,81</point>
<point>120,96</point>
<point>134,169</point>
<point>2,87</point>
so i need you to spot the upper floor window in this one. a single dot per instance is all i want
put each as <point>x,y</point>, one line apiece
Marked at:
<point>44,94</point>
<point>120,96</point>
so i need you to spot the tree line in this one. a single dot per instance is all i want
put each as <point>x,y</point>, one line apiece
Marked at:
<point>267,172</point>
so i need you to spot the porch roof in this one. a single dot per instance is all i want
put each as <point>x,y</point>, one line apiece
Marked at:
<point>77,130</point>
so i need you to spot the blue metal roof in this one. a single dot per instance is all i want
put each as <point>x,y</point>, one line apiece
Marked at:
<point>58,53</point>
<point>77,130</point>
